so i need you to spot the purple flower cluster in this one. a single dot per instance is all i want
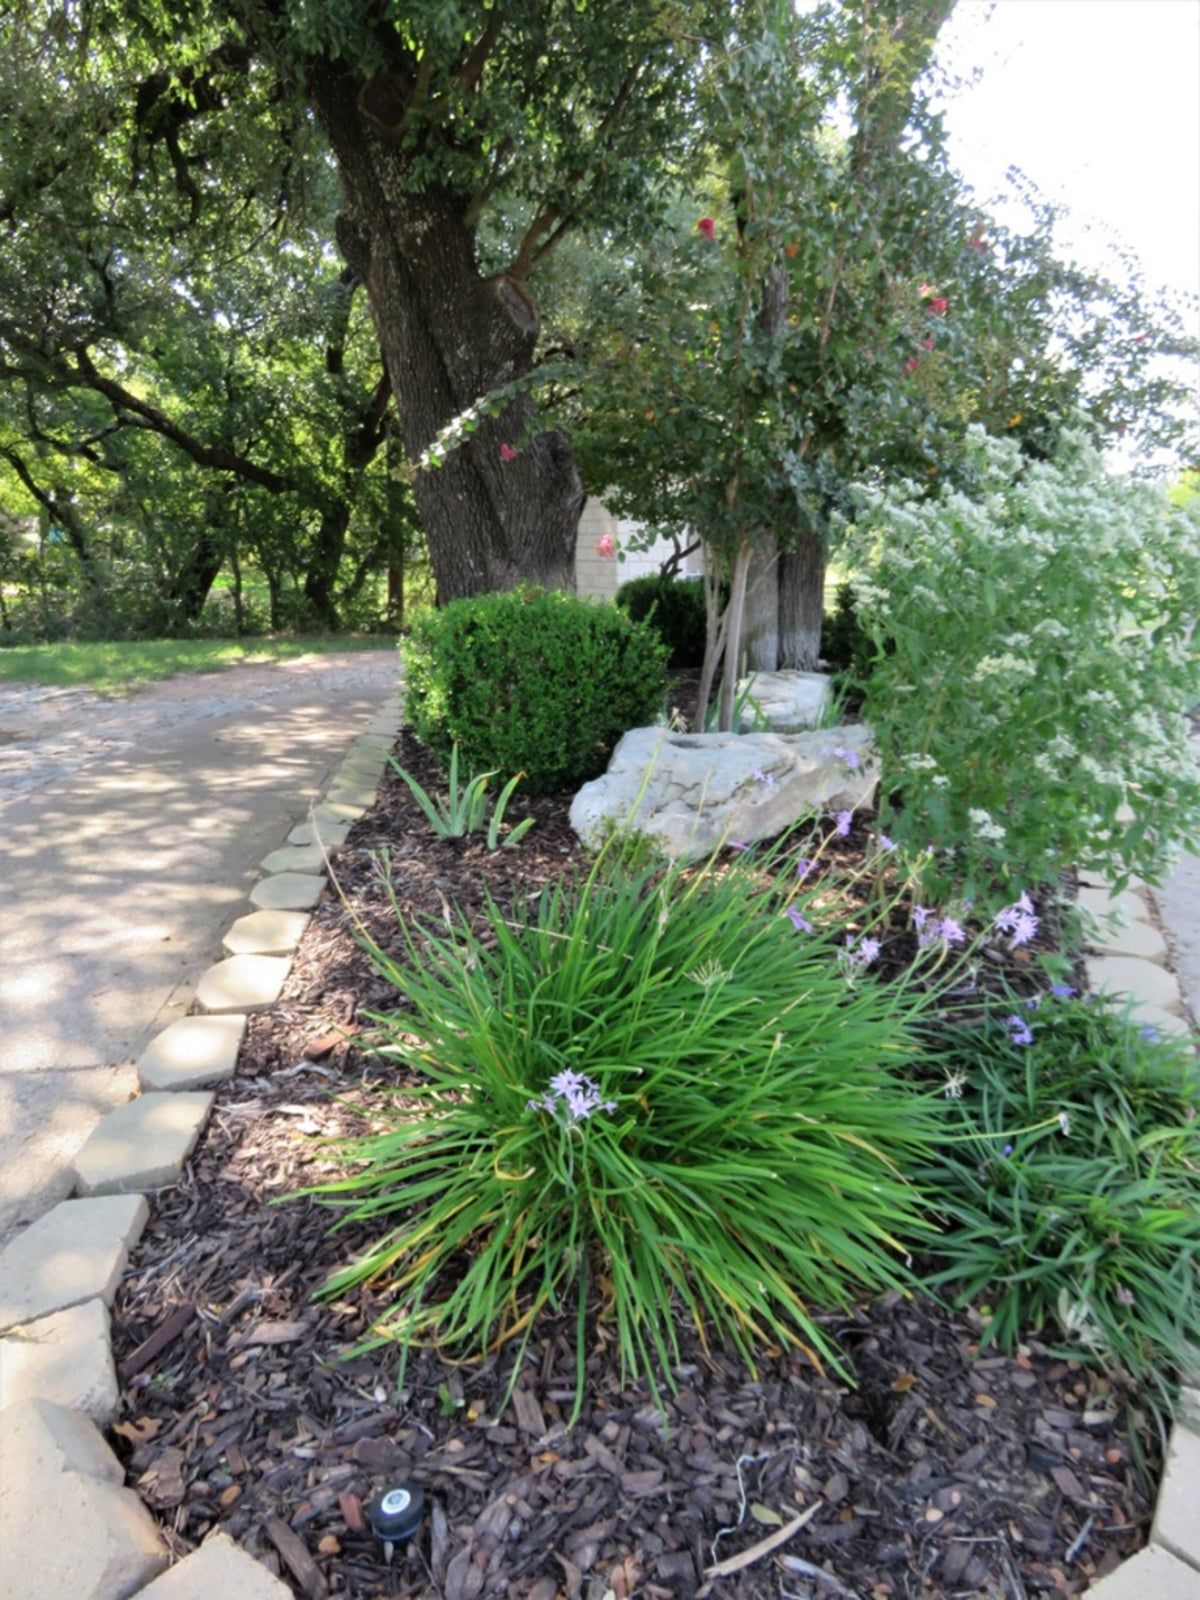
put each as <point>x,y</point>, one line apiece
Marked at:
<point>1017,920</point>
<point>842,823</point>
<point>800,923</point>
<point>886,845</point>
<point>933,928</point>
<point>864,952</point>
<point>767,779</point>
<point>848,758</point>
<point>575,1094</point>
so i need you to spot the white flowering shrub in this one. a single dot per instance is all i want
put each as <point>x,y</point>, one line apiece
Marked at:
<point>1034,658</point>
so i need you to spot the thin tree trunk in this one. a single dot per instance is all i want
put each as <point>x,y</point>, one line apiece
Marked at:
<point>802,600</point>
<point>323,563</point>
<point>733,641</point>
<point>449,336</point>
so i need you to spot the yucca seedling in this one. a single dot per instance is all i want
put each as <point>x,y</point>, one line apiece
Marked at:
<point>465,810</point>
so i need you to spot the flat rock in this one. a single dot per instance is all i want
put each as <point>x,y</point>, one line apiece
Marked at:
<point>1128,906</point>
<point>243,983</point>
<point>1169,1022</point>
<point>1152,1574</point>
<point>67,1529</point>
<point>142,1145</point>
<point>1143,981</point>
<point>350,794</point>
<point>331,834</point>
<point>288,891</point>
<point>75,1252</point>
<point>219,1568</point>
<point>195,1050</point>
<point>1176,1523</point>
<point>266,933</point>
<point>691,792</point>
<point>786,701</point>
<point>65,1358</point>
<point>1134,939</point>
<point>294,858</point>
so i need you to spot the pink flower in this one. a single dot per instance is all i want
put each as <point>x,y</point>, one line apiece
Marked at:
<point>937,306</point>
<point>507,453</point>
<point>928,343</point>
<point>606,546</point>
<point>911,364</point>
<point>706,228</point>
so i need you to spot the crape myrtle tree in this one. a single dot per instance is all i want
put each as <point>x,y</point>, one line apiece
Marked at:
<point>468,142</point>
<point>831,304</point>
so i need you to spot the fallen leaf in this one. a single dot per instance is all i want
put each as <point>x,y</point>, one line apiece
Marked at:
<point>764,1514</point>
<point>904,1382</point>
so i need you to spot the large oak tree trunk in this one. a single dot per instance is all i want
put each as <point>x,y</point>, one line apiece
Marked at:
<point>450,335</point>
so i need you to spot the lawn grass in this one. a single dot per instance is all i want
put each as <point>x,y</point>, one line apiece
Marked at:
<point>111,667</point>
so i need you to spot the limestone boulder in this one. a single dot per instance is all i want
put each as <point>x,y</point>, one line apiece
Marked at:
<point>691,792</point>
<point>786,701</point>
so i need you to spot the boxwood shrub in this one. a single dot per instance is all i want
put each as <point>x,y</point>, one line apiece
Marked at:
<point>533,681</point>
<point>674,608</point>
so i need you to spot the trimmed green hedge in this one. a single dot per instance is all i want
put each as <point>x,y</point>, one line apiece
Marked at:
<point>674,608</point>
<point>533,681</point>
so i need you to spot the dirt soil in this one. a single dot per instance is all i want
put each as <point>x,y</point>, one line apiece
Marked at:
<point>941,1472</point>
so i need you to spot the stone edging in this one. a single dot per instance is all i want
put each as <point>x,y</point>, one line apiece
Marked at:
<point>69,1528</point>
<point>58,1277</point>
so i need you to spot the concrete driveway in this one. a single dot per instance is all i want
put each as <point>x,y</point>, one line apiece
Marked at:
<point>130,831</point>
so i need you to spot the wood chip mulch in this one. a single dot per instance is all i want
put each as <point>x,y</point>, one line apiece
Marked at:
<point>941,1472</point>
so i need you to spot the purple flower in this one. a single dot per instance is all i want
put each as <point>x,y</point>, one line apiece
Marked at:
<point>801,924</point>
<point>1018,1030</point>
<point>865,952</point>
<point>848,758</point>
<point>1007,1151</point>
<point>885,844</point>
<point>803,867</point>
<point>1017,920</point>
<point>767,779</point>
<point>921,915</point>
<point>1122,1295</point>
<point>733,845</point>
<point>1062,991</point>
<point>1149,1031</point>
<point>842,823</point>
<point>952,931</point>
<point>572,1092</point>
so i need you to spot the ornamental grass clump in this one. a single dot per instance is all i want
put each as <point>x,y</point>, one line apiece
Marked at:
<point>1034,659</point>
<point>656,1098</point>
<point>1069,1180</point>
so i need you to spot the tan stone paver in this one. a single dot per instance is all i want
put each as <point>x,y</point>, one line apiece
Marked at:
<point>288,891</point>
<point>1152,1574</point>
<point>66,1358</point>
<point>1143,981</point>
<point>338,811</point>
<point>73,1253</point>
<point>330,834</point>
<point>193,1051</point>
<point>349,794</point>
<point>1102,903</point>
<point>266,933</point>
<point>219,1570</point>
<point>68,1531</point>
<point>295,858</point>
<point>142,1145</point>
<point>243,983</point>
<point>1177,1517</point>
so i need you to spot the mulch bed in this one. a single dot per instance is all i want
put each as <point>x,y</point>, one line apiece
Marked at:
<point>940,1472</point>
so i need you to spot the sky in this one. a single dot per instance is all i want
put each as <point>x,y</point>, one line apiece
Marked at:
<point>1098,102</point>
